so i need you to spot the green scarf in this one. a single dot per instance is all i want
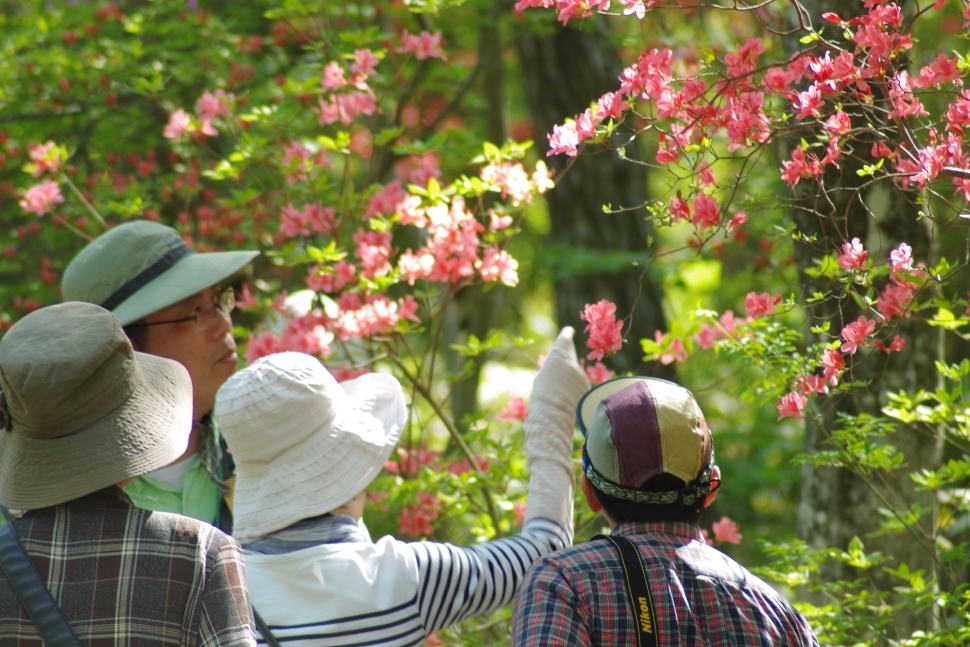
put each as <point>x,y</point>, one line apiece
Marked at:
<point>199,497</point>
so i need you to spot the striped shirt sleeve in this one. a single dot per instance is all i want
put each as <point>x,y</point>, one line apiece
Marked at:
<point>456,583</point>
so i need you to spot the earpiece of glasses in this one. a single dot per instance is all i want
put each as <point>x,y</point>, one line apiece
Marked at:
<point>225,301</point>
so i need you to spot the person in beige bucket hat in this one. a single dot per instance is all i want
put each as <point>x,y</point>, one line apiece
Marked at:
<point>306,448</point>
<point>170,302</point>
<point>81,414</point>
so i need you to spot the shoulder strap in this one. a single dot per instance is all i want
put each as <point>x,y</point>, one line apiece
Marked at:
<point>264,629</point>
<point>32,591</point>
<point>641,601</point>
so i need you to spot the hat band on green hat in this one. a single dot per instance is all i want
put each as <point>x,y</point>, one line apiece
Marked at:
<point>146,276</point>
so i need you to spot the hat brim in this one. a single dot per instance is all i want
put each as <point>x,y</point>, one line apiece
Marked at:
<point>148,431</point>
<point>334,464</point>
<point>186,278</point>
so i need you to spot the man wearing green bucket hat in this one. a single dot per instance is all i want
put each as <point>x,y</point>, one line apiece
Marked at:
<point>170,302</point>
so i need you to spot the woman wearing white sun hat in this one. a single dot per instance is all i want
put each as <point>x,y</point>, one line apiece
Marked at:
<point>306,448</point>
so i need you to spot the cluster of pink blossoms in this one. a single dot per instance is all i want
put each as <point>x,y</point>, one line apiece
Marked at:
<point>602,328</point>
<point>209,107</point>
<point>688,110</point>
<point>45,159</point>
<point>410,461</point>
<point>725,530</point>
<point>415,520</point>
<point>895,299</point>
<point>457,247</point>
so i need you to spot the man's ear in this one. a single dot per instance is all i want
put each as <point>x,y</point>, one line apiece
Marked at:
<point>589,494</point>
<point>716,478</point>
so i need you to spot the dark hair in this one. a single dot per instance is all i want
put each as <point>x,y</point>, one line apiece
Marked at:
<point>137,334</point>
<point>623,510</point>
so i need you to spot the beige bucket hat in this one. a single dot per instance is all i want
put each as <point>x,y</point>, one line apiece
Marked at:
<point>80,410</point>
<point>303,444</point>
<point>141,267</point>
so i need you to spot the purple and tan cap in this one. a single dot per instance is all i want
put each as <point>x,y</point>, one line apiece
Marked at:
<point>637,428</point>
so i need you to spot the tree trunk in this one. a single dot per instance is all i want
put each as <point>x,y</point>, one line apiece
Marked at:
<point>563,69</point>
<point>476,308</point>
<point>837,504</point>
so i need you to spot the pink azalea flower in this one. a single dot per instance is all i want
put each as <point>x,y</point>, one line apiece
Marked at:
<point>901,258</point>
<point>564,139</point>
<point>510,179</point>
<point>707,214</point>
<point>373,251</point>
<point>726,531</point>
<point>516,409</point>
<point>498,265</point>
<point>295,156</point>
<point>364,62</point>
<point>178,123</point>
<point>385,202</point>
<point>597,373</point>
<point>856,333</point>
<point>245,299</point>
<point>497,222</point>
<point>41,198</point>
<point>706,337</point>
<point>792,404</point>
<point>43,158</point>
<point>415,520</point>
<point>739,219</point>
<point>760,305</point>
<point>542,178</point>
<point>896,298</point>
<point>603,328</point>
<point>897,344</point>
<point>261,345</point>
<point>424,45</point>
<point>410,462</point>
<point>637,7</point>
<point>408,308</point>
<point>332,77</point>
<point>811,384</point>
<point>853,256</point>
<point>674,351</point>
<point>728,323</point>
<point>210,106</point>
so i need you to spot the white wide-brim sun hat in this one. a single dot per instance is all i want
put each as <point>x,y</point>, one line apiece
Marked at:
<point>303,444</point>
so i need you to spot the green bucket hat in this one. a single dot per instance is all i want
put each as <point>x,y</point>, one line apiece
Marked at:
<point>141,267</point>
<point>80,410</point>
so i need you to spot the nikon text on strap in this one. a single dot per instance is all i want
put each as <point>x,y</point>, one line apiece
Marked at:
<point>32,591</point>
<point>636,585</point>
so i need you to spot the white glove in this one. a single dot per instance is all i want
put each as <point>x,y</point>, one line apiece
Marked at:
<point>549,433</point>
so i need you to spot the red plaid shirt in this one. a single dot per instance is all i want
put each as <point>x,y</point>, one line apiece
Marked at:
<point>126,576</point>
<point>578,597</point>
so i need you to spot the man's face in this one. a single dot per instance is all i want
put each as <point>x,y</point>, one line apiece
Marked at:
<point>207,353</point>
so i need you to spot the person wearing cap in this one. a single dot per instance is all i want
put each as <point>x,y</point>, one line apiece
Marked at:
<point>306,448</point>
<point>648,467</point>
<point>171,304</point>
<point>82,414</point>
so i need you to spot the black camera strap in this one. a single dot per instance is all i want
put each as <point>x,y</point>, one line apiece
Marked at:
<point>641,602</point>
<point>33,592</point>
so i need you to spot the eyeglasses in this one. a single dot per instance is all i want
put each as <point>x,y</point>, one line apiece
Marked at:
<point>225,301</point>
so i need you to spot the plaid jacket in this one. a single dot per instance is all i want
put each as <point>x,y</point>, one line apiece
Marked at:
<point>126,576</point>
<point>702,598</point>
